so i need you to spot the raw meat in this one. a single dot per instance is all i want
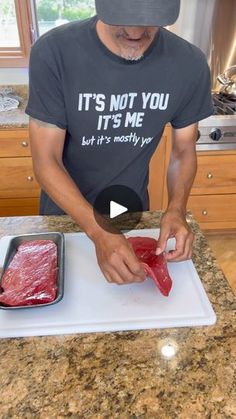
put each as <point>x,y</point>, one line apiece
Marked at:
<point>31,277</point>
<point>155,265</point>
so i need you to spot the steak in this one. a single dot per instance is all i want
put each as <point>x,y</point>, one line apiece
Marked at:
<point>31,277</point>
<point>154,265</point>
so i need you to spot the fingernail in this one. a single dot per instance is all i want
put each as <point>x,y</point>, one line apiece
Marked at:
<point>158,251</point>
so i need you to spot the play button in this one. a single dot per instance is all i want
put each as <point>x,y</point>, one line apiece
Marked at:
<point>118,207</point>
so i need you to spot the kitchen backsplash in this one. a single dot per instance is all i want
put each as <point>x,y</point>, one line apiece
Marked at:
<point>11,76</point>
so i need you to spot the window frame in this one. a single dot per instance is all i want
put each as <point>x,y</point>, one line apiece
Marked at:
<point>19,56</point>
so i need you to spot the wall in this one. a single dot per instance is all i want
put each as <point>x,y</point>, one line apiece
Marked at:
<point>13,76</point>
<point>211,25</point>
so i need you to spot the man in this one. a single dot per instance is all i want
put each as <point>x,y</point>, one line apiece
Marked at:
<point>101,93</point>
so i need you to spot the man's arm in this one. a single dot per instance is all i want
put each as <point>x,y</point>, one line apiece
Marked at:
<point>114,254</point>
<point>180,176</point>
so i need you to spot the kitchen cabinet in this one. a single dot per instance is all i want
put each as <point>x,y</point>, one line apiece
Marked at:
<point>19,191</point>
<point>213,196</point>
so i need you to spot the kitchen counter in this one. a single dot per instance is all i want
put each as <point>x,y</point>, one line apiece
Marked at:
<point>16,118</point>
<point>125,374</point>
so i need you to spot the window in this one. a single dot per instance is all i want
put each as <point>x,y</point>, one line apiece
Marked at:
<point>15,32</point>
<point>9,35</point>
<point>51,13</point>
<point>23,21</point>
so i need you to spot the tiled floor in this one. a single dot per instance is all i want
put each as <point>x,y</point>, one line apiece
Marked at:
<point>224,249</point>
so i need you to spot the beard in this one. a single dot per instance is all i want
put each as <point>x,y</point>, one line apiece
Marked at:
<point>133,58</point>
<point>133,52</point>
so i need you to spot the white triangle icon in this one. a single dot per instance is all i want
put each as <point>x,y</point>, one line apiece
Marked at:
<point>116,209</point>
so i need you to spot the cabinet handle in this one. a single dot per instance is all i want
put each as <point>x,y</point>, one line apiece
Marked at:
<point>209,175</point>
<point>30,178</point>
<point>25,144</point>
<point>204,212</point>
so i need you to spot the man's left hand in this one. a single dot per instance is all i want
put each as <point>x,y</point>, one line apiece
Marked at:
<point>174,224</point>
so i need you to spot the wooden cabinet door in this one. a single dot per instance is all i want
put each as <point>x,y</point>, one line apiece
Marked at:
<point>17,179</point>
<point>216,174</point>
<point>14,143</point>
<point>214,211</point>
<point>19,191</point>
<point>10,207</point>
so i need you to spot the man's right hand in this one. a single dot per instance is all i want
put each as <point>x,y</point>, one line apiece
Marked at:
<point>117,260</point>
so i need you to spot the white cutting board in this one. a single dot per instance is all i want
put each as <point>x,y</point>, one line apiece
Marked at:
<point>90,304</point>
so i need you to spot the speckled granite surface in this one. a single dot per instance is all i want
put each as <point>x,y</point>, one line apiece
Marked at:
<point>16,118</point>
<point>125,375</point>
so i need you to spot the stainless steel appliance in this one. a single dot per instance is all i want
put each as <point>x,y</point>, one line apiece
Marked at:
<point>228,81</point>
<point>211,25</point>
<point>219,131</point>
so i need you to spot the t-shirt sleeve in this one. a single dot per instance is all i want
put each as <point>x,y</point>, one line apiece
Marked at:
<point>46,99</point>
<point>197,104</point>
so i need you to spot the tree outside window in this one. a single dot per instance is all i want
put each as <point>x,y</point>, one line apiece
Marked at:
<point>51,13</point>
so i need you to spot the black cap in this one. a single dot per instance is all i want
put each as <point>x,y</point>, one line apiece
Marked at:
<point>138,12</point>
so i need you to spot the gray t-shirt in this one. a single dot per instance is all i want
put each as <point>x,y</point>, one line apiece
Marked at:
<point>114,111</point>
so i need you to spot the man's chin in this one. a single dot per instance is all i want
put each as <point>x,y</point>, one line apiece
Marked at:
<point>132,57</point>
<point>131,54</point>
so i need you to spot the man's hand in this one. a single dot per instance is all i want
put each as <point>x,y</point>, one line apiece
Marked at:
<point>174,224</point>
<point>117,260</point>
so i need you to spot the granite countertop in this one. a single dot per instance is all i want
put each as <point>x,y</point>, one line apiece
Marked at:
<point>124,374</point>
<point>16,118</point>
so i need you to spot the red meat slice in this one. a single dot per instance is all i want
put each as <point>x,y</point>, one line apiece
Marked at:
<point>31,277</point>
<point>155,265</point>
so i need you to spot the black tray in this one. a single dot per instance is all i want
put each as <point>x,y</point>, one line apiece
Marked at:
<point>58,239</point>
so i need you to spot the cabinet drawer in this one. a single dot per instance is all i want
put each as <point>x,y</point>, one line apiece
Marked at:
<point>17,179</point>
<point>213,208</point>
<point>19,206</point>
<point>14,143</point>
<point>216,174</point>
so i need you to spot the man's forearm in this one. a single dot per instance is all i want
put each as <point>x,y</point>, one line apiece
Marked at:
<point>57,183</point>
<point>180,176</point>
